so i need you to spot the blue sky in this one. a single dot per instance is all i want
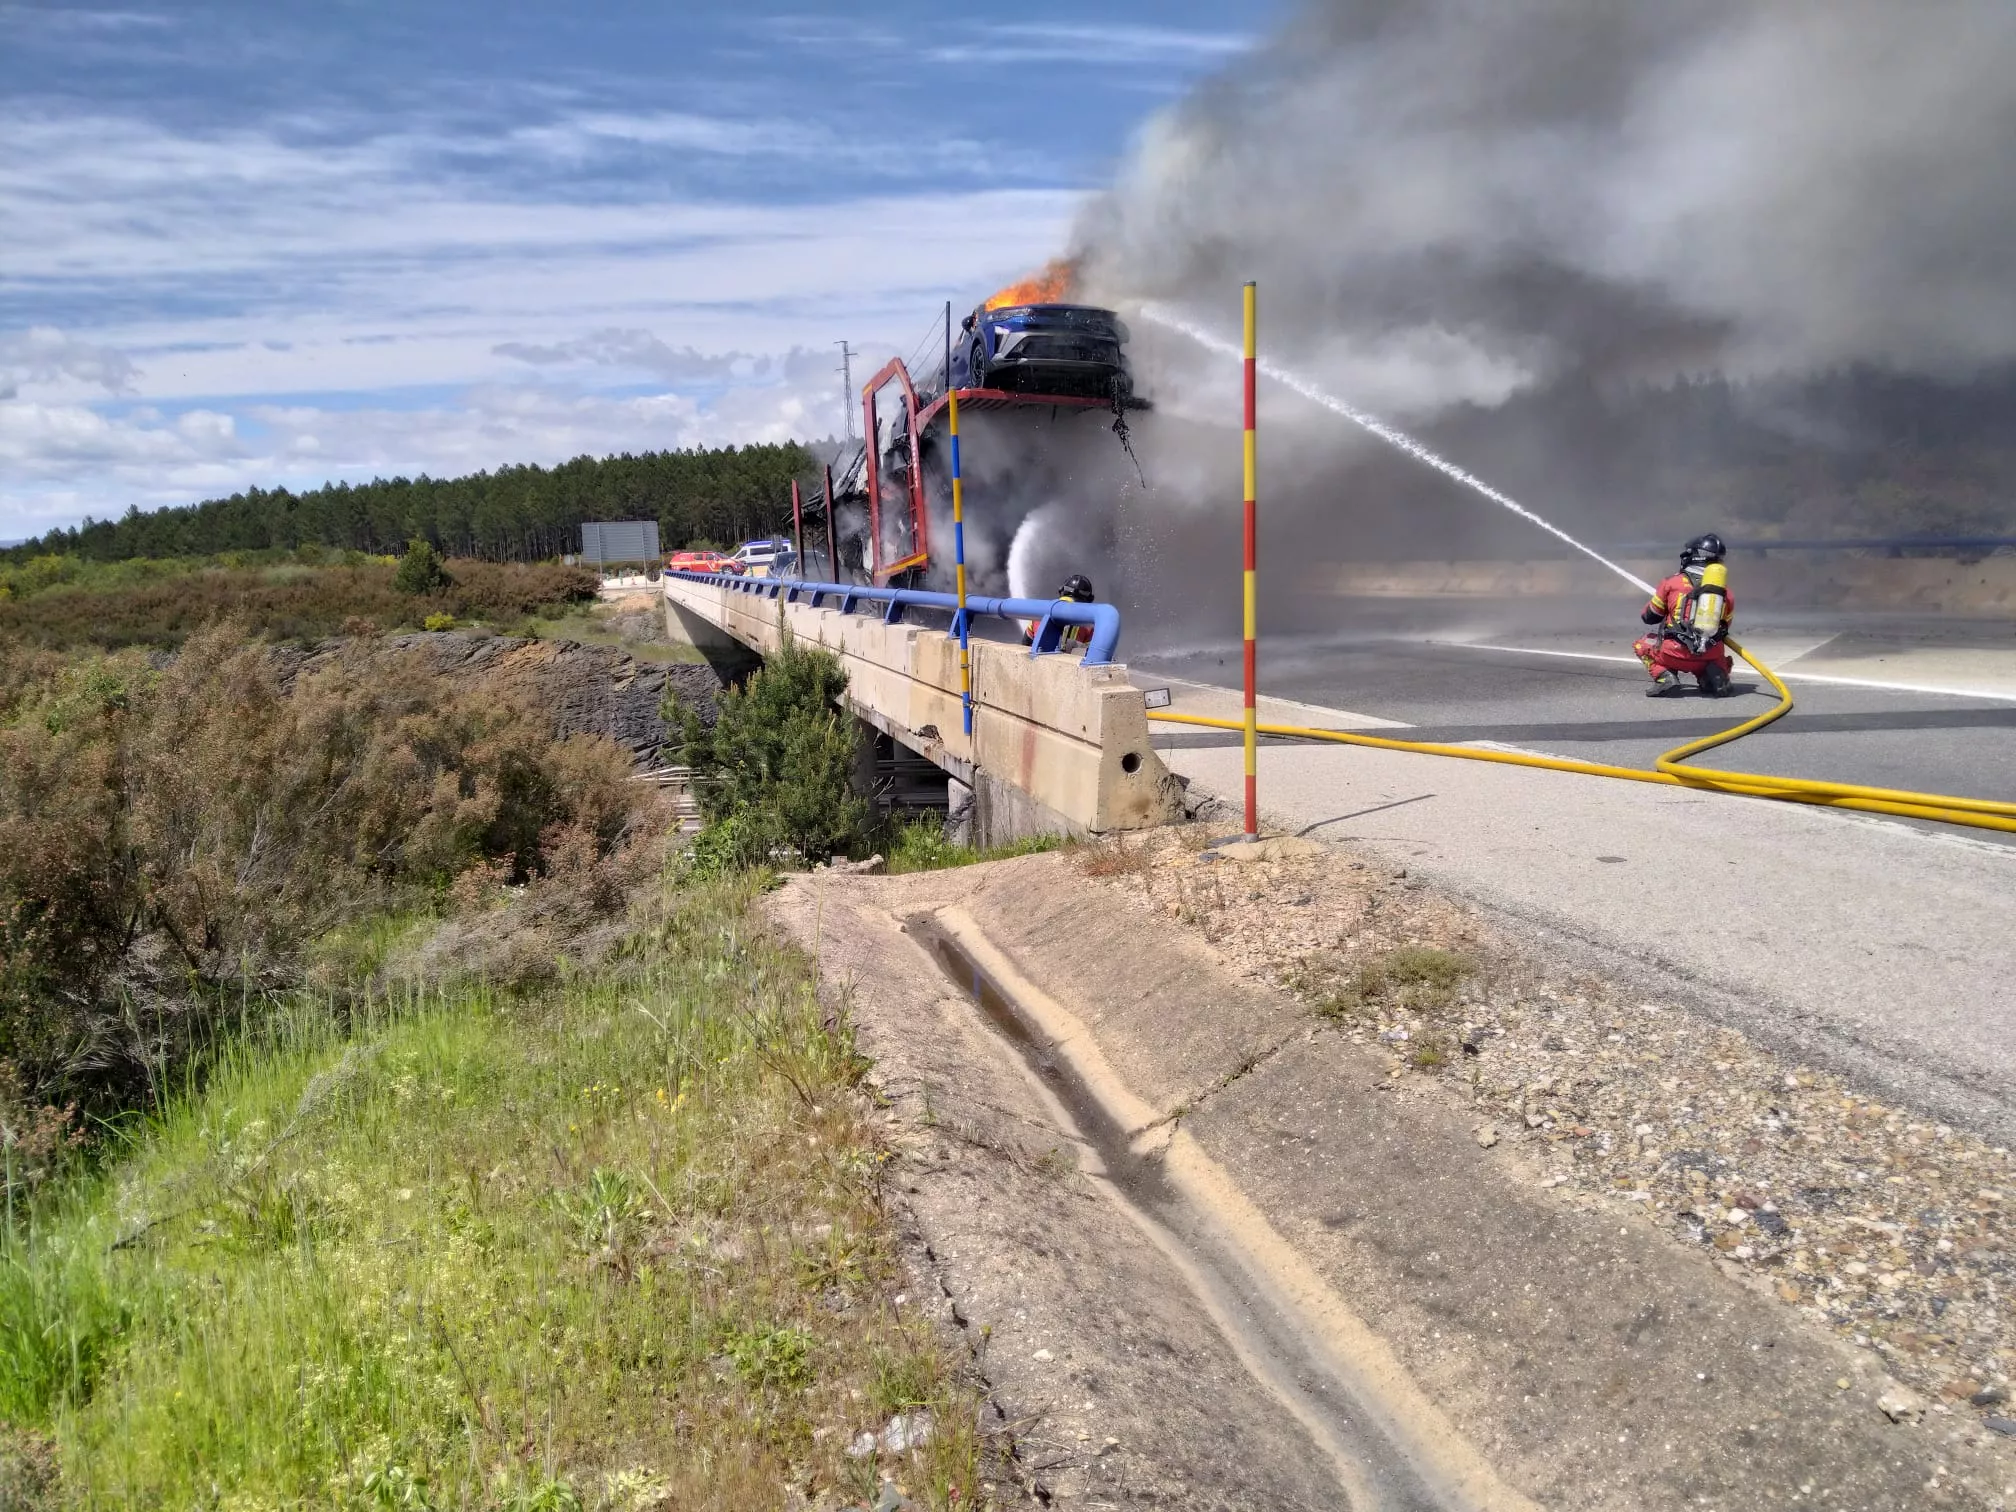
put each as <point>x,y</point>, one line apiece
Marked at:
<point>280,242</point>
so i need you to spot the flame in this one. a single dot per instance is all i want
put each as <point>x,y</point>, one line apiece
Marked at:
<point>1047,287</point>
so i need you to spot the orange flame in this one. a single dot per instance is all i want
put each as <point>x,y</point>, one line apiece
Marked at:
<point>1048,287</point>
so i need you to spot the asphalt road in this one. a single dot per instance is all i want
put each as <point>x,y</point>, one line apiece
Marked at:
<point>1568,685</point>
<point>1881,948</point>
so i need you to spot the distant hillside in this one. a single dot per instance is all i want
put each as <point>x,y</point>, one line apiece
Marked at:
<point>513,514</point>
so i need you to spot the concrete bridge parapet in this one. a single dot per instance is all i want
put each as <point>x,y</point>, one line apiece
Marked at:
<point>1056,745</point>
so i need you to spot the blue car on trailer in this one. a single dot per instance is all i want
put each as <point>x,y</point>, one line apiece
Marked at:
<point>1067,349</point>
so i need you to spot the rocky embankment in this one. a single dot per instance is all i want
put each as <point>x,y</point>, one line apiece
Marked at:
<point>600,690</point>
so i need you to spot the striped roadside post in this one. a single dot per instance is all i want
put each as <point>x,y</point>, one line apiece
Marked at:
<point>1252,563</point>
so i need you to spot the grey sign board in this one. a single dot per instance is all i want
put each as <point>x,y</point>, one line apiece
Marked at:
<point>608,541</point>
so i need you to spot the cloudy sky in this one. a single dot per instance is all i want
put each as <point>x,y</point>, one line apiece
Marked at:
<point>264,241</point>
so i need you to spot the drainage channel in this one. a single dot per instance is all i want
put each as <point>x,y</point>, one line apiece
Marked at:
<point>1277,1345</point>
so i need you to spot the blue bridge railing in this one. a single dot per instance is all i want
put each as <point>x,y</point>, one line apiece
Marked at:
<point>1053,616</point>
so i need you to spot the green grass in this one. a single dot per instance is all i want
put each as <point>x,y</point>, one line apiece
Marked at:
<point>621,1246</point>
<point>1412,978</point>
<point>917,845</point>
<point>592,625</point>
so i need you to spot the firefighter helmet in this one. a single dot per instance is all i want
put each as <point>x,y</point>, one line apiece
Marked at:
<point>1702,550</point>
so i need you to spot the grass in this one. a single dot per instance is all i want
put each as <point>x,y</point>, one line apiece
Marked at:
<point>919,845</point>
<point>621,1246</point>
<point>1116,858</point>
<point>1417,979</point>
<point>599,624</point>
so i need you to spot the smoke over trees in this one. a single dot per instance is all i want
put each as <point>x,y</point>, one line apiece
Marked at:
<point>1748,263</point>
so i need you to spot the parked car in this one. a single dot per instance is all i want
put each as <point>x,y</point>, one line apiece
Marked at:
<point>699,561</point>
<point>771,557</point>
<point>1076,350</point>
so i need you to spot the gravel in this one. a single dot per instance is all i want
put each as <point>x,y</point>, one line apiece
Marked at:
<point>1893,1229</point>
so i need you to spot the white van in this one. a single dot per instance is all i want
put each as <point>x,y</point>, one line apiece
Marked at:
<point>774,557</point>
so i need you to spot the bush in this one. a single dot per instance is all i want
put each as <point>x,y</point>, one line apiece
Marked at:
<point>438,622</point>
<point>171,840</point>
<point>776,767</point>
<point>153,603</point>
<point>420,571</point>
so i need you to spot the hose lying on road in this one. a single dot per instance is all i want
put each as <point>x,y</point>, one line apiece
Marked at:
<point>1672,771</point>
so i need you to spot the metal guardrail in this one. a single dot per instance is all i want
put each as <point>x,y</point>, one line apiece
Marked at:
<point>1052,617</point>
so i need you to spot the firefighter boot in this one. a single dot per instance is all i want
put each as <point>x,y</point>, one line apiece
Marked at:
<point>1663,682</point>
<point>1714,681</point>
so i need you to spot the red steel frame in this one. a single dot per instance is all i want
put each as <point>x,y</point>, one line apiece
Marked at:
<point>918,420</point>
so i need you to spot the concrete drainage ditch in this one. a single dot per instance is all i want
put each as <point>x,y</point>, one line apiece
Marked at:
<point>1388,1446</point>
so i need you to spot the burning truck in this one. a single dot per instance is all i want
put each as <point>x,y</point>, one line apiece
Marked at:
<point>1026,364</point>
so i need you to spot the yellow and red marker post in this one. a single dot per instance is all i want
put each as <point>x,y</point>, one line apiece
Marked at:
<point>959,558</point>
<point>1252,721</point>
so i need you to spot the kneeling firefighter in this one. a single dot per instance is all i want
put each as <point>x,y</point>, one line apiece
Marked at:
<point>1691,611</point>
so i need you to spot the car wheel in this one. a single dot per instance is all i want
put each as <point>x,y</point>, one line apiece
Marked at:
<point>976,365</point>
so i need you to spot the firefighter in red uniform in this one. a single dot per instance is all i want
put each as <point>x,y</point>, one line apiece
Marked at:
<point>1077,589</point>
<point>1676,646</point>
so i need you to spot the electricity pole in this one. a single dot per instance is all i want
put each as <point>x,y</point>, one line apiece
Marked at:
<point>846,371</point>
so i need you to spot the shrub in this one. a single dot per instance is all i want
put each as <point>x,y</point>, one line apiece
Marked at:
<point>171,840</point>
<point>34,1138</point>
<point>438,622</point>
<point>149,603</point>
<point>777,764</point>
<point>420,570</point>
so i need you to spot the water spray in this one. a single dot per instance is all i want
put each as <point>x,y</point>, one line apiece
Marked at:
<point>1674,768</point>
<point>1398,439</point>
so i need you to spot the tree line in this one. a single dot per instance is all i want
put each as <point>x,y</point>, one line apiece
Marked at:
<point>524,513</point>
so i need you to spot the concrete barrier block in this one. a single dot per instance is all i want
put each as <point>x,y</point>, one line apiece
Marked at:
<point>1051,737</point>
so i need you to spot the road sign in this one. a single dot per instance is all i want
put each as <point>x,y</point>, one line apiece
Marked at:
<point>606,541</point>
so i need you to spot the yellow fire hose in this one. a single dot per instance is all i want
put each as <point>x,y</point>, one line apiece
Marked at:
<point>1979,813</point>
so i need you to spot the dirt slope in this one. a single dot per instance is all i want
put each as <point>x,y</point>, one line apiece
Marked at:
<point>589,689</point>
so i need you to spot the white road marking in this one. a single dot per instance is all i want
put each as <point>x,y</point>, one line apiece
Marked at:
<point>1811,677</point>
<point>1270,705</point>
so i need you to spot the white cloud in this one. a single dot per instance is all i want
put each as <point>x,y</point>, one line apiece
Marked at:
<point>1092,45</point>
<point>43,355</point>
<point>219,274</point>
<point>65,461</point>
<point>1115,45</point>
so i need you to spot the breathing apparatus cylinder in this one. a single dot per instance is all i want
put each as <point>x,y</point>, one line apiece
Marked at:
<point>1706,613</point>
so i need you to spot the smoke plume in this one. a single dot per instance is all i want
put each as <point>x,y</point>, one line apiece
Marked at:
<point>1652,268</point>
<point>1450,201</point>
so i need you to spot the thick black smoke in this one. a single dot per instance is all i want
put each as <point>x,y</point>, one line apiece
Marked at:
<point>1651,266</point>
